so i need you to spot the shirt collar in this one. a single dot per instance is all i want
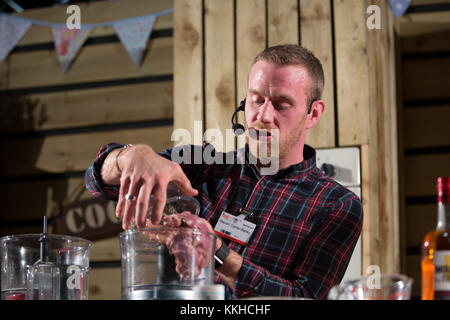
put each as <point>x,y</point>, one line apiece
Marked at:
<point>295,171</point>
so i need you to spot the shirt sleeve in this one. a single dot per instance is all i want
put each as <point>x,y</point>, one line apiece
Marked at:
<point>321,265</point>
<point>93,178</point>
<point>185,155</point>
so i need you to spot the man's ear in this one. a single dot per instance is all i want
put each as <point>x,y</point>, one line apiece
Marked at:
<point>313,117</point>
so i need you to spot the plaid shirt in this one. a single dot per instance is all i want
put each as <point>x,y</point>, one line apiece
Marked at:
<point>307,224</point>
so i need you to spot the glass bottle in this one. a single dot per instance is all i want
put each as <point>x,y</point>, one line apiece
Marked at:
<point>436,249</point>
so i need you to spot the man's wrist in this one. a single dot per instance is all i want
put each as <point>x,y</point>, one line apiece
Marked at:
<point>118,154</point>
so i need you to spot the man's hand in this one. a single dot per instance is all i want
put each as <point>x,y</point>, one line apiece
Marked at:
<point>143,173</point>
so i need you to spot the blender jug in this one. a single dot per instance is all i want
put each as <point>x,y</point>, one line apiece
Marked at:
<point>167,263</point>
<point>44,267</point>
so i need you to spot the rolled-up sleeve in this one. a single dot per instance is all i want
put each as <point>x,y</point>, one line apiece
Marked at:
<point>95,184</point>
<point>93,179</point>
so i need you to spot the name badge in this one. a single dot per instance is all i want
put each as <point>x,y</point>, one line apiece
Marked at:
<point>234,228</point>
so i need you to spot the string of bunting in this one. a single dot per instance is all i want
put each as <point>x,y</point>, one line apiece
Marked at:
<point>132,32</point>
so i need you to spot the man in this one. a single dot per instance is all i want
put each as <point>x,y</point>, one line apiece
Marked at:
<point>305,224</point>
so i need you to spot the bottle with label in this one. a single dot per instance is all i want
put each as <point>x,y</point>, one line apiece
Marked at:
<point>436,249</point>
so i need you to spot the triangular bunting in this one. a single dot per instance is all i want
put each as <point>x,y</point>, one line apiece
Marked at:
<point>68,43</point>
<point>11,31</point>
<point>134,35</point>
<point>399,6</point>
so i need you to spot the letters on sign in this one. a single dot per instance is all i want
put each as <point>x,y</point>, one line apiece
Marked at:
<point>92,219</point>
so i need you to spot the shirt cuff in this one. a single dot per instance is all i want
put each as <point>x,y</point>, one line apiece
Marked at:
<point>93,177</point>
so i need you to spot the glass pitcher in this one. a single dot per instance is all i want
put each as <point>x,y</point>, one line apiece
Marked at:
<point>167,263</point>
<point>61,275</point>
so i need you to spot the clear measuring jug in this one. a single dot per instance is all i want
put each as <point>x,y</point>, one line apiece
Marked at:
<point>54,267</point>
<point>167,263</point>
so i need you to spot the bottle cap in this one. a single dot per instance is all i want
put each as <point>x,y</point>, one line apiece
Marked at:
<point>443,189</point>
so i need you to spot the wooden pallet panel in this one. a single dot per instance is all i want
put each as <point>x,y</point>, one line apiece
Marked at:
<point>101,11</point>
<point>282,22</point>
<point>106,249</point>
<point>421,219</point>
<point>252,40</point>
<point>93,63</point>
<point>316,35</point>
<point>105,284</point>
<point>220,92</point>
<point>188,66</point>
<point>420,132</point>
<point>428,2</point>
<point>421,172</point>
<point>72,152</point>
<point>353,103</point>
<point>79,108</point>
<point>40,195</point>
<point>431,39</point>
<point>426,78</point>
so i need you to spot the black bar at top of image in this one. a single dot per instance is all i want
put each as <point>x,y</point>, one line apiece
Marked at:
<point>163,33</point>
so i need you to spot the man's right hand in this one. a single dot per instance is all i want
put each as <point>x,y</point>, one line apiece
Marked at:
<point>143,173</point>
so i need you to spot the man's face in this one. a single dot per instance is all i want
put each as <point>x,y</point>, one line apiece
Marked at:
<point>276,99</point>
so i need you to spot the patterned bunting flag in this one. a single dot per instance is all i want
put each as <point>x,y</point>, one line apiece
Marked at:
<point>68,43</point>
<point>134,35</point>
<point>132,32</point>
<point>11,31</point>
<point>399,6</point>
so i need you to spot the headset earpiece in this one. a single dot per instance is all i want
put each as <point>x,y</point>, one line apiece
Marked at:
<point>311,105</point>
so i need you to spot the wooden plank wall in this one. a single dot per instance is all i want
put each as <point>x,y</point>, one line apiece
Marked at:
<point>424,111</point>
<point>359,66</point>
<point>53,123</point>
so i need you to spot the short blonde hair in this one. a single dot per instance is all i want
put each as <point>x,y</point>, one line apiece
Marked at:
<point>292,54</point>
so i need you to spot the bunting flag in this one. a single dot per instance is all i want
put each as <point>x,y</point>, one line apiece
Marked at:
<point>132,32</point>
<point>134,35</point>
<point>68,43</point>
<point>399,6</point>
<point>11,31</point>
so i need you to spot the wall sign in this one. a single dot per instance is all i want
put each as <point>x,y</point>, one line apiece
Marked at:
<point>91,219</point>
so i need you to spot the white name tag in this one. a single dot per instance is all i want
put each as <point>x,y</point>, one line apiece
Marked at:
<point>234,228</point>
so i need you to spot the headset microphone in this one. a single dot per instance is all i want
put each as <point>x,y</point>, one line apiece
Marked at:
<point>238,129</point>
